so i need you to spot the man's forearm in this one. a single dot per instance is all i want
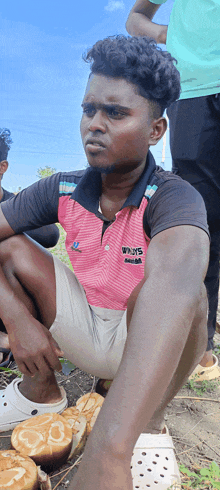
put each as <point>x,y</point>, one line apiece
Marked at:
<point>140,25</point>
<point>11,308</point>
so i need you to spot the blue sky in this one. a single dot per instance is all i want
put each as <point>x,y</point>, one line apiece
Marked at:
<point>43,78</point>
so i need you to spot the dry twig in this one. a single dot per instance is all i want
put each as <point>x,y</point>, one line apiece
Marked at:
<point>67,471</point>
<point>197,398</point>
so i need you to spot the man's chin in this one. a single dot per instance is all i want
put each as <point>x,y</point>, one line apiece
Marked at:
<point>107,169</point>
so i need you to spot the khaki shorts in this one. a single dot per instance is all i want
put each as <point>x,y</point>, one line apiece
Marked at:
<point>92,338</point>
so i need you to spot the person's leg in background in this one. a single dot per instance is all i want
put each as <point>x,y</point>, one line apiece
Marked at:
<point>195,148</point>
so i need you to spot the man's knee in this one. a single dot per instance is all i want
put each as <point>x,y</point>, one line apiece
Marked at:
<point>18,252</point>
<point>9,247</point>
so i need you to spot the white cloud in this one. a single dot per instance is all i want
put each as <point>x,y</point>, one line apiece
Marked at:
<point>114,5</point>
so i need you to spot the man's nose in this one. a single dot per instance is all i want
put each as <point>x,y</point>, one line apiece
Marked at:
<point>97,123</point>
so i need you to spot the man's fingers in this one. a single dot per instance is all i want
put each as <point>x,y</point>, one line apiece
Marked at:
<point>29,369</point>
<point>52,360</point>
<point>56,348</point>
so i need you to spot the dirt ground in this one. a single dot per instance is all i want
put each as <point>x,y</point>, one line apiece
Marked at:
<point>193,423</point>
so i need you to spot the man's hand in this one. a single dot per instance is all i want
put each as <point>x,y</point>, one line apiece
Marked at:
<point>162,38</point>
<point>102,473</point>
<point>139,22</point>
<point>34,348</point>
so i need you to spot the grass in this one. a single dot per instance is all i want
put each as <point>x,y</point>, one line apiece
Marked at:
<point>201,387</point>
<point>60,250</point>
<point>203,478</point>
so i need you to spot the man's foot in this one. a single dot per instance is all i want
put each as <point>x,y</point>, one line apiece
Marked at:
<point>15,408</point>
<point>207,360</point>
<point>40,390</point>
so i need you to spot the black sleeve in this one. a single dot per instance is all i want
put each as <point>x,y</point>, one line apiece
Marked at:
<point>175,203</point>
<point>47,236</point>
<point>35,206</point>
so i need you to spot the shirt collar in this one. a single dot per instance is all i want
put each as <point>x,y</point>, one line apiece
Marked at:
<point>88,191</point>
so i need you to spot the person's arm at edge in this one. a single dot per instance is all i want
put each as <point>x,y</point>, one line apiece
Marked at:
<point>139,22</point>
<point>13,311</point>
<point>5,229</point>
<point>10,306</point>
<point>175,269</point>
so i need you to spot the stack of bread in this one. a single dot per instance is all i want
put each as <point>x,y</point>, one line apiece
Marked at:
<point>49,440</point>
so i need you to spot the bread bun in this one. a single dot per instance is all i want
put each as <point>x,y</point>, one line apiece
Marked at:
<point>17,472</point>
<point>78,424</point>
<point>90,405</point>
<point>47,439</point>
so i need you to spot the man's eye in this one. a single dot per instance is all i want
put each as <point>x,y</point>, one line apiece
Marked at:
<point>88,110</point>
<point>115,113</point>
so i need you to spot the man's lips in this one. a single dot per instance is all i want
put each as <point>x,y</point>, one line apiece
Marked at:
<point>93,144</point>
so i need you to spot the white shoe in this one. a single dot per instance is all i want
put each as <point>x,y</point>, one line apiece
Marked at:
<point>153,463</point>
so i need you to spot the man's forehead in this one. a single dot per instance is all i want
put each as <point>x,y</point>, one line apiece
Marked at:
<point>112,90</point>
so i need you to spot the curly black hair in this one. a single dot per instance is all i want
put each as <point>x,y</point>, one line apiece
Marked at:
<point>5,143</point>
<point>141,62</point>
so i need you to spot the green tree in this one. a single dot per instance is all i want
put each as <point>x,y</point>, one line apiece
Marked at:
<point>45,172</point>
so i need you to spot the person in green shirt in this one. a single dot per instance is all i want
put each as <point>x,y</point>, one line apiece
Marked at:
<point>192,38</point>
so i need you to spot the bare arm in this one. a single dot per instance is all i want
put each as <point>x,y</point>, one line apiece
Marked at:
<point>5,229</point>
<point>140,23</point>
<point>176,265</point>
<point>30,342</point>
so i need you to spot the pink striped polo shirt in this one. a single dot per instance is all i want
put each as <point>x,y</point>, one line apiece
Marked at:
<point>108,266</point>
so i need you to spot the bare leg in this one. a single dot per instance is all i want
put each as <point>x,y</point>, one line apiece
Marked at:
<point>30,271</point>
<point>191,356</point>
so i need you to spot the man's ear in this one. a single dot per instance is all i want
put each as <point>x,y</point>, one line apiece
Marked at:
<point>158,128</point>
<point>3,167</point>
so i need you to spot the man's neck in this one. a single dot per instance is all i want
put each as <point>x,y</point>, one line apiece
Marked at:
<point>116,188</point>
<point>118,185</point>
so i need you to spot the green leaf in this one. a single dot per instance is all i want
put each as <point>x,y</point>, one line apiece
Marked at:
<point>215,470</point>
<point>205,472</point>
<point>67,366</point>
<point>187,472</point>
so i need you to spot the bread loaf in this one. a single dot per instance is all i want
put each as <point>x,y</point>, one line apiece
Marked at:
<point>17,472</point>
<point>90,405</point>
<point>78,424</point>
<point>47,439</point>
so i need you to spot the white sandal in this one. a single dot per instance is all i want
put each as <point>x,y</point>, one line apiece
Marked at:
<point>153,464</point>
<point>14,407</point>
<point>201,373</point>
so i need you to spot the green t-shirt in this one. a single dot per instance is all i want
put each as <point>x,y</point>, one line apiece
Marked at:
<point>193,38</point>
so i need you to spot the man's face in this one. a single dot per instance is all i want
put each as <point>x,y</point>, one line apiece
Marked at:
<point>115,125</point>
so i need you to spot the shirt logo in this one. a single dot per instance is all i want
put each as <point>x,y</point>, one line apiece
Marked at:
<point>150,191</point>
<point>137,251</point>
<point>75,248</point>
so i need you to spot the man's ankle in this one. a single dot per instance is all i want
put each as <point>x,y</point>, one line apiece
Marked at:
<point>207,360</point>
<point>40,392</point>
